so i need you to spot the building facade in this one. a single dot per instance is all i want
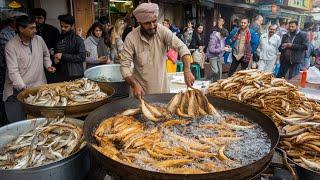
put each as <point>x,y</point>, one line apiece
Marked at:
<point>277,11</point>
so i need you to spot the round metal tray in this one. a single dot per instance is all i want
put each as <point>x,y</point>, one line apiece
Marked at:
<point>74,167</point>
<point>70,111</point>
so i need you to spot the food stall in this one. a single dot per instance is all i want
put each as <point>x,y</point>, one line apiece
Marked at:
<point>233,132</point>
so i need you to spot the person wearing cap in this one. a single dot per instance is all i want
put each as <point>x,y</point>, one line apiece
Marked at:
<point>146,47</point>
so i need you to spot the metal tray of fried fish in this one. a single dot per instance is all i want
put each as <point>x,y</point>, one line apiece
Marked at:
<point>70,111</point>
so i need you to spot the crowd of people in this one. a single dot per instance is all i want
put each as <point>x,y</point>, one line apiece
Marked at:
<point>250,46</point>
<point>28,43</point>
<point>33,52</point>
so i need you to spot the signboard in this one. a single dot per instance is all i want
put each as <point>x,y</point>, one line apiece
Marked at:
<point>301,4</point>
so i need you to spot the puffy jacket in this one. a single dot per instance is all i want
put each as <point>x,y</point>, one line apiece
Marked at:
<point>73,55</point>
<point>296,53</point>
<point>214,47</point>
<point>255,40</point>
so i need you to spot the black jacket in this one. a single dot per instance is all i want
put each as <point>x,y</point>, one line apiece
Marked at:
<point>73,55</point>
<point>295,54</point>
<point>196,41</point>
<point>49,34</point>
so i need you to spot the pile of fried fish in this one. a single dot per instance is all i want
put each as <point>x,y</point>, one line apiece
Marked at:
<point>189,104</point>
<point>297,117</point>
<point>130,141</point>
<point>81,91</point>
<point>53,140</point>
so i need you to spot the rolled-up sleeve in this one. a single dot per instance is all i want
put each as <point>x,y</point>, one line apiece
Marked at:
<point>126,58</point>
<point>174,42</point>
<point>46,55</point>
<point>13,69</point>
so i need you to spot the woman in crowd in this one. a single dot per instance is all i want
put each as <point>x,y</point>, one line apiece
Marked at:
<point>197,43</point>
<point>91,45</point>
<point>104,47</point>
<point>216,49</point>
<point>116,40</point>
<point>187,33</point>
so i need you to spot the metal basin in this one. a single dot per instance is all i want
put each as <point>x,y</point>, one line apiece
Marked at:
<point>111,76</point>
<point>73,167</point>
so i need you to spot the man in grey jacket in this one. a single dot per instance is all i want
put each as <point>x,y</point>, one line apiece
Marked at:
<point>293,47</point>
<point>268,49</point>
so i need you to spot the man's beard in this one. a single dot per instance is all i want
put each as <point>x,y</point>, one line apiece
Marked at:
<point>244,27</point>
<point>149,32</point>
<point>294,31</point>
<point>65,32</point>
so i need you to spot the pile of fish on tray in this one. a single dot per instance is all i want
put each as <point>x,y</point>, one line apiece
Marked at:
<point>193,143</point>
<point>51,141</point>
<point>297,117</point>
<point>76,92</point>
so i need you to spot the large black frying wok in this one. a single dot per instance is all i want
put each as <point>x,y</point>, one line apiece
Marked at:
<point>128,172</point>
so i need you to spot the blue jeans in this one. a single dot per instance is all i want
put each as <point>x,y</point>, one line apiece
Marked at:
<point>285,66</point>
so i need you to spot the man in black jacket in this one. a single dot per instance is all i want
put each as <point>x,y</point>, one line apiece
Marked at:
<point>70,51</point>
<point>293,47</point>
<point>49,34</point>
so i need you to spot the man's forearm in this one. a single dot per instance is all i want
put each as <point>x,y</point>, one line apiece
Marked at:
<point>186,59</point>
<point>131,81</point>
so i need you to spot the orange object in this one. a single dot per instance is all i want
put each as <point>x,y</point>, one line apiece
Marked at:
<point>171,67</point>
<point>303,79</point>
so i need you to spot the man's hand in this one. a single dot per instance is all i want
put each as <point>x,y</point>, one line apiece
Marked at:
<point>226,49</point>
<point>58,56</point>
<point>79,31</point>
<point>51,69</point>
<point>286,45</point>
<point>138,91</point>
<point>103,59</point>
<point>189,78</point>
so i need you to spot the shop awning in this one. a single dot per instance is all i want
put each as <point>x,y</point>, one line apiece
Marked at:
<point>208,3</point>
<point>234,4</point>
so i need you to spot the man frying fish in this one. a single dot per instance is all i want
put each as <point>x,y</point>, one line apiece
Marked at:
<point>146,47</point>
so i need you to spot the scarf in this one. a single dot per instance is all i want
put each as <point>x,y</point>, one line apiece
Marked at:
<point>247,46</point>
<point>94,39</point>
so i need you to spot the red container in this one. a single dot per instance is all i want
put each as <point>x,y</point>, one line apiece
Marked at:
<point>303,79</point>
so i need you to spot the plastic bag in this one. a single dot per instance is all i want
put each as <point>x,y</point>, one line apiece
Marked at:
<point>227,57</point>
<point>313,75</point>
<point>276,69</point>
<point>172,55</point>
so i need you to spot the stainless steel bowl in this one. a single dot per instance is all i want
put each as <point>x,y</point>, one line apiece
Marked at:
<point>109,72</point>
<point>111,76</point>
